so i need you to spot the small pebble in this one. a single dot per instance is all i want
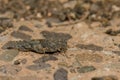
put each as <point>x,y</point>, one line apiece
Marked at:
<point>61,74</point>
<point>20,35</point>
<point>38,66</point>
<point>45,59</point>
<point>25,28</point>
<point>20,61</point>
<point>10,69</point>
<point>85,69</point>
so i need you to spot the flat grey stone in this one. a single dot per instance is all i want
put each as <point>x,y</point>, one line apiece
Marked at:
<point>20,35</point>
<point>10,69</point>
<point>5,23</point>
<point>61,74</point>
<point>38,45</point>
<point>20,61</point>
<point>45,59</point>
<point>8,55</point>
<point>90,47</point>
<point>38,66</point>
<point>56,36</point>
<point>25,28</point>
<point>85,69</point>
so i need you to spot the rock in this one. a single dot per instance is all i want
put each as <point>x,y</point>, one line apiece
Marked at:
<point>61,74</point>
<point>63,64</point>
<point>51,21</point>
<point>89,57</point>
<point>45,59</point>
<point>25,28</point>
<point>79,10</point>
<point>9,55</point>
<point>38,45</point>
<point>85,69</point>
<point>38,25</point>
<point>5,23</point>
<point>20,35</point>
<point>70,4</point>
<point>17,62</point>
<point>10,69</point>
<point>90,47</point>
<point>110,77</point>
<point>112,32</point>
<point>56,36</point>
<point>38,66</point>
<point>20,61</point>
<point>49,24</point>
<point>117,52</point>
<point>94,7</point>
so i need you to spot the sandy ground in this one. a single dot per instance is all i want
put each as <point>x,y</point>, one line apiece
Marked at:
<point>105,61</point>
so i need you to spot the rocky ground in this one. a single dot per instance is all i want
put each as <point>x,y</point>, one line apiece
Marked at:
<point>59,39</point>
